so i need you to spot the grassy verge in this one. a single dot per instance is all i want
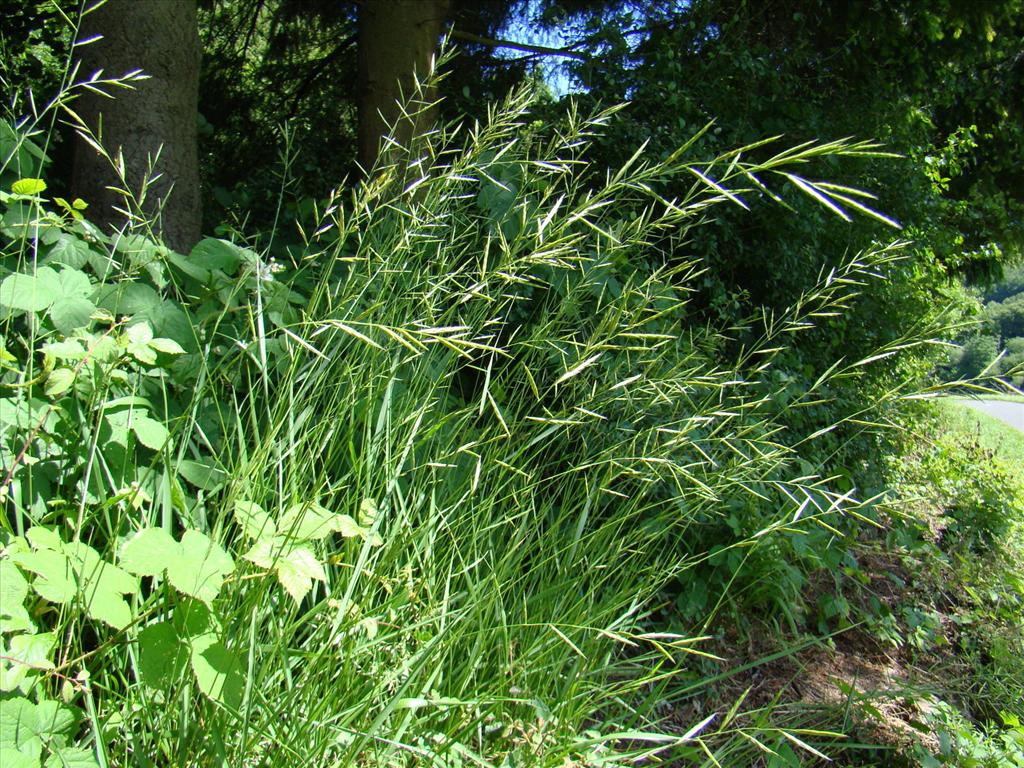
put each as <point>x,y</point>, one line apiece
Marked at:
<point>991,434</point>
<point>931,673</point>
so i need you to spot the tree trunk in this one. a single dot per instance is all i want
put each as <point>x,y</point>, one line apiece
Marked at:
<point>396,38</point>
<point>160,37</point>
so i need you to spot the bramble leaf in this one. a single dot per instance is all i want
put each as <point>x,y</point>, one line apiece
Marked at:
<point>149,551</point>
<point>65,572</point>
<point>195,566</point>
<point>69,250</point>
<point>217,671</point>
<point>202,476</point>
<point>167,346</point>
<point>200,570</point>
<point>59,381</point>
<point>30,293</point>
<point>55,579</point>
<point>151,433</point>
<point>311,522</point>
<point>264,552</point>
<point>255,522</point>
<point>13,590</point>
<point>212,253</point>
<point>162,655</point>
<point>70,757</point>
<point>19,731</point>
<point>296,571</point>
<point>71,313</point>
<point>25,655</point>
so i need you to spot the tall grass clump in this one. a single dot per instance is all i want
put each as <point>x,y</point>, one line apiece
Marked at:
<point>415,500</point>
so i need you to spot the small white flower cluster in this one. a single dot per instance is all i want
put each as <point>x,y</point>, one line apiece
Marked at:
<point>265,271</point>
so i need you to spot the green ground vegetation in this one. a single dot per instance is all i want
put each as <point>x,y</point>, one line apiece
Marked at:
<point>479,461</point>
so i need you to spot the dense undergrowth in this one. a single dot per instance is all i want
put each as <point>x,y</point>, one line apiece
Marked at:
<point>959,616</point>
<point>462,485</point>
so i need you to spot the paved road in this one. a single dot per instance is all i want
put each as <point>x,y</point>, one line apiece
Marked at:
<point>1010,412</point>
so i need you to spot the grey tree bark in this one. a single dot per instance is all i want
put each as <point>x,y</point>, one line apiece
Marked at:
<point>160,37</point>
<point>396,37</point>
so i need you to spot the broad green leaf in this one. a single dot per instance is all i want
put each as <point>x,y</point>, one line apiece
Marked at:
<point>151,433</point>
<point>170,321</point>
<point>148,552</point>
<point>296,571</point>
<point>70,757</point>
<point>30,293</point>
<point>127,298</point>
<point>129,401</point>
<point>14,616</point>
<point>167,346</point>
<point>211,253</point>
<point>104,350</point>
<point>197,273</point>
<point>194,619</point>
<point>162,655</point>
<point>256,524</point>
<point>140,250</point>
<point>310,522</point>
<point>84,559</point>
<point>23,414</point>
<point>138,337</point>
<point>55,720</point>
<point>195,566</point>
<point>265,552</point>
<point>28,187</point>
<point>202,476</point>
<point>367,512</point>
<point>70,314</point>
<point>25,655</point>
<point>19,728</point>
<point>65,572</point>
<point>59,381</point>
<point>200,570</point>
<point>42,537</point>
<point>119,424</point>
<point>348,527</point>
<point>55,579</point>
<point>139,333</point>
<point>15,758</point>
<point>103,587</point>
<point>69,250</point>
<point>74,283</point>
<point>218,671</point>
<point>143,353</point>
<point>68,349</point>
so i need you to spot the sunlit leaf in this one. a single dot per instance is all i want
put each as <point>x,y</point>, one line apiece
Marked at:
<point>59,381</point>
<point>148,552</point>
<point>28,187</point>
<point>255,522</point>
<point>30,293</point>
<point>218,671</point>
<point>13,590</point>
<point>296,571</point>
<point>200,570</point>
<point>151,433</point>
